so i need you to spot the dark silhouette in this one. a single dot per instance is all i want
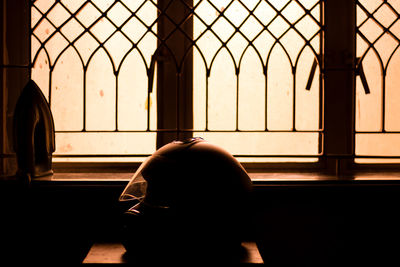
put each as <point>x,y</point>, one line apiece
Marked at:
<point>190,200</point>
<point>34,140</point>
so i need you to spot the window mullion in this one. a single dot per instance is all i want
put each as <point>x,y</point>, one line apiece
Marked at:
<point>339,84</point>
<point>174,71</point>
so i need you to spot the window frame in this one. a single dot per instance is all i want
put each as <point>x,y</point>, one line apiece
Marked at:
<point>338,71</point>
<point>174,114</point>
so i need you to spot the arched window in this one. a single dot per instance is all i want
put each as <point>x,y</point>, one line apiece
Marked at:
<point>123,77</point>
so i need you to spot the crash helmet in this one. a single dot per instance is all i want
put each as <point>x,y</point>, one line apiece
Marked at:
<point>190,196</point>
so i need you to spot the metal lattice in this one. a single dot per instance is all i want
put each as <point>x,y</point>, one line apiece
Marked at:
<point>377,105</point>
<point>281,36</point>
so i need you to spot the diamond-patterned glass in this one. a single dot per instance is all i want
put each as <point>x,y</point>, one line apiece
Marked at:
<point>377,94</point>
<point>251,61</point>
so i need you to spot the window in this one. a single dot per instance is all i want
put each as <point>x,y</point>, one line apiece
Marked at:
<point>133,75</point>
<point>378,94</point>
<point>271,81</point>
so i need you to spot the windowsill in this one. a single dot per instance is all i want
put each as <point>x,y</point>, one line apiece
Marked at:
<point>260,179</point>
<point>114,253</point>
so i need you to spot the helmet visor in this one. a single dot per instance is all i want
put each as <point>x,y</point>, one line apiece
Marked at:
<point>136,188</point>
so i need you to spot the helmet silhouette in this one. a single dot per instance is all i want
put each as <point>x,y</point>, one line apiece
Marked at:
<point>189,196</point>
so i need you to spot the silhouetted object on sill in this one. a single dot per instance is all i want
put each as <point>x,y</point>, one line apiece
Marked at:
<point>188,200</point>
<point>34,140</point>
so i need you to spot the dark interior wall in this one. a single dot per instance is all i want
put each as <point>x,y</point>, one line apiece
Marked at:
<point>55,224</point>
<point>293,226</point>
<point>332,225</point>
<point>15,72</point>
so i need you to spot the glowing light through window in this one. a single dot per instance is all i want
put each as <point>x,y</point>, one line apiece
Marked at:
<point>377,119</point>
<point>252,62</point>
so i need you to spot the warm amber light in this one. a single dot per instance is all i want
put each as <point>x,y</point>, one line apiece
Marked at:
<point>379,110</point>
<point>73,59</point>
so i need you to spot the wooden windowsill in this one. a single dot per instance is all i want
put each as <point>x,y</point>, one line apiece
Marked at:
<point>113,253</point>
<point>258,178</point>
